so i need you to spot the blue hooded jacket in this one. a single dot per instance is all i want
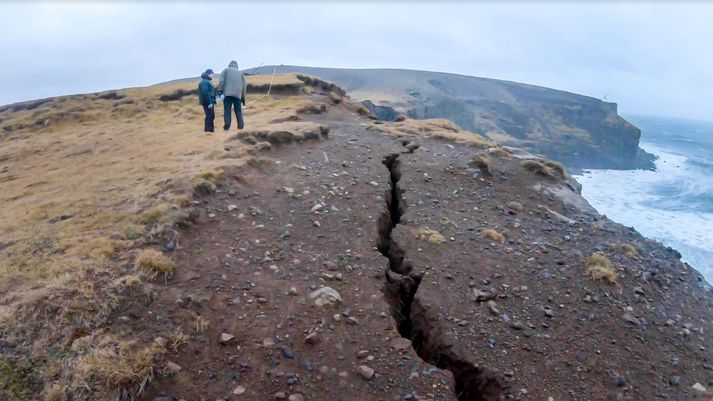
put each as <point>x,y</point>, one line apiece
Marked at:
<point>206,91</point>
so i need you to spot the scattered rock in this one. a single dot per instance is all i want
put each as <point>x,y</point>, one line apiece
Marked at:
<point>239,390</point>
<point>674,380</point>
<point>313,338</point>
<point>280,395</point>
<point>325,296</point>
<point>296,397</point>
<point>400,343</point>
<point>698,387</point>
<point>631,319</point>
<point>231,208</point>
<point>493,307</point>
<point>482,296</point>
<point>365,372</point>
<point>362,354</point>
<point>292,291</point>
<point>287,352</point>
<point>172,367</point>
<point>227,338</point>
<point>160,341</point>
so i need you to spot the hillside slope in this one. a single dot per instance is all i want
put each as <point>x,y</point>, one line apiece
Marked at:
<point>579,131</point>
<point>320,254</point>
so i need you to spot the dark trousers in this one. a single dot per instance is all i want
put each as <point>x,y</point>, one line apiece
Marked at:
<point>229,103</point>
<point>209,118</point>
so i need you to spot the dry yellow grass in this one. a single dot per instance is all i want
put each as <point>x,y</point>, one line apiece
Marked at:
<point>628,249</point>
<point>155,263</point>
<point>537,167</point>
<point>85,179</point>
<point>482,162</point>
<point>493,235</point>
<point>199,323</point>
<point>499,152</point>
<point>599,268</point>
<point>124,365</point>
<point>431,236</point>
<point>440,129</point>
<point>556,168</point>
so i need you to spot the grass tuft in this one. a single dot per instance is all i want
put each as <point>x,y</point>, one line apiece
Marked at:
<point>599,268</point>
<point>482,162</point>
<point>155,263</point>
<point>432,236</point>
<point>537,167</point>
<point>628,249</point>
<point>556,168</point>
<point>493,235</point>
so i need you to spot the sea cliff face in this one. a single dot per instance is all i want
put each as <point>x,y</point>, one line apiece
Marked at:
<point>579,131</point>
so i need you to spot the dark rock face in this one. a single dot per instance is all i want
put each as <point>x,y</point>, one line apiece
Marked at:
<point>579,131</point>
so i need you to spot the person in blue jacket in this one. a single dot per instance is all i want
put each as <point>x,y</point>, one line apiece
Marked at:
<point>206,96</point>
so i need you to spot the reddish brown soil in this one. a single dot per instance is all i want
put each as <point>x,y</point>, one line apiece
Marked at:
<point>557,334</point>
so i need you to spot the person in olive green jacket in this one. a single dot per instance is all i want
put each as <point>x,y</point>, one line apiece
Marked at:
<point>232,86</point>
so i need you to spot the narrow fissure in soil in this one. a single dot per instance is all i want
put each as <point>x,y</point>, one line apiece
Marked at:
<point>413,320</point>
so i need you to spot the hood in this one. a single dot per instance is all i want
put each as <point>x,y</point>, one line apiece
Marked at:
<point>233,64</point>
<point>206,76</point>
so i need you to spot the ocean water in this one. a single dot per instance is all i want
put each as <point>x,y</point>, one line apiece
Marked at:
<point>673,204</point>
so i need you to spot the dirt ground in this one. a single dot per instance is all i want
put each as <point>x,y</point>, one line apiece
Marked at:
<point>517,319</point>
<point>349,259</point>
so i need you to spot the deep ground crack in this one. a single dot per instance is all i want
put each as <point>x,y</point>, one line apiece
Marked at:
<point>414,320</point>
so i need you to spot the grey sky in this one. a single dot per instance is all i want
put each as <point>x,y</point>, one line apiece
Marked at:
<point>650,58</point>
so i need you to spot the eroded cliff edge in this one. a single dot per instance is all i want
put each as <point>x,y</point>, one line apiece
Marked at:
<point>579,131</point>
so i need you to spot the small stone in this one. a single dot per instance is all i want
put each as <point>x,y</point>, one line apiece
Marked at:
<point>226,338</point>
<point>173,367</point>
<point>674,380</point>
<point>280,395</point>
<point>698,387</point>
<point>493,307</point>
<point>325,295</point>
<point>365,372</point>
<point>362,354</point>
<point>400,343</point>
<point>232,192</point>
<point>316,208</point>
<point>331,265</point>
<point>296,397</point>
<point>287,352</point>
<point>337,317</point>
<point>482,296</point>
<point>268,342</point>
<point>160,341</point>
<point>292,291</point>
<point>239,390</point>
<point>231,208</point>
<point>313,339</point>
<point>630,318</point>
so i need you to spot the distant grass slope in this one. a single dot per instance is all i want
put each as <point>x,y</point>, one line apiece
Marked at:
<point>577,130</point>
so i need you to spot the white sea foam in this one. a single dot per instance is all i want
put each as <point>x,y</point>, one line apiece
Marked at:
<point>634,198</point>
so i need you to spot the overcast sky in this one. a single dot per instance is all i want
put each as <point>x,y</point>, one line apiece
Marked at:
<point>651,58</point>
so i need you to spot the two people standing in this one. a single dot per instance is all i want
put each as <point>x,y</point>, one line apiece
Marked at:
<point>232,86</point>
